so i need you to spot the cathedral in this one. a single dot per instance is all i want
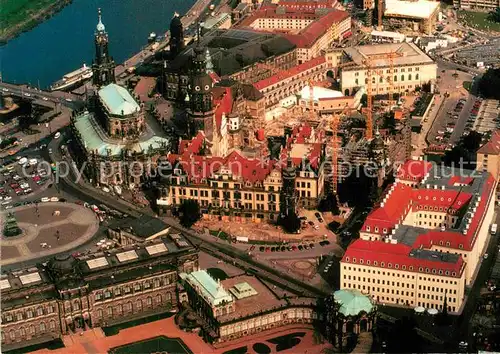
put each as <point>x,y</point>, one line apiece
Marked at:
<point>113,134</point>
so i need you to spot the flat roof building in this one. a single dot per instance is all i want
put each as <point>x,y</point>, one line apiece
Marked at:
<point>411,68</point>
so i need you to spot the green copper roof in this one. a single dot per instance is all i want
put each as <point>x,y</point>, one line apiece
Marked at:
<point>95,140</point>
<point>352,302</point>
<point>118,100</point>
<point>210,289</point>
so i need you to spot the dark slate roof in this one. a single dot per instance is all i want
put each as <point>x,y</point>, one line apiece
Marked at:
<point>144,226</point>
<point>233,49</point>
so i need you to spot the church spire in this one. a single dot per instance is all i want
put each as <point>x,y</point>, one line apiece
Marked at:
<point>100,26</point>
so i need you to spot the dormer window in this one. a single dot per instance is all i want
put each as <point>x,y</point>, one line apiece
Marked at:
<point>433,271</point>
<point>360,261</point>
<point>460,246</point>
<point>390,265</point>
<point>354,260</point>
<point>375,263</point>
<point>347,259</point>
<point>396,266</point>
<point>411,268</point>
<point>368,262</point>
<point>403,267</point>
<point>376,229</point>
<point>447,273</point>
<point>368,228</point>
<point>382,264</point>
<point>427,270</point>
<point>385,230</point>
<point>420,269</point>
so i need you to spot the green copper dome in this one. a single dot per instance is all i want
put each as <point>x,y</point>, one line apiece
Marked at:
<point>352,302</point>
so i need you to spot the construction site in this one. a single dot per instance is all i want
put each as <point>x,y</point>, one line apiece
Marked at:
<point>407,17</point>
<point>362,131</point>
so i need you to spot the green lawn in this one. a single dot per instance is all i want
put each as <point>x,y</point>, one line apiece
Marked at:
<point>467,85</point>
<point>20,13</point>
<point>160,344</point>
<point>479,20</point>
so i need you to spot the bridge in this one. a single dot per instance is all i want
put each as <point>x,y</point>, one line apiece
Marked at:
<point>40,97</point>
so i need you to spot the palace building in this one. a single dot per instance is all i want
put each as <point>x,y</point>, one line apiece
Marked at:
<point>411,67</point>
<point>311,29</point>
<point>71,294</point>
<point>426,239</point>
<point>235,187</point>
<point>241,306</point>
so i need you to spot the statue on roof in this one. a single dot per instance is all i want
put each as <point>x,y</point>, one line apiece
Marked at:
<point>208,60</point>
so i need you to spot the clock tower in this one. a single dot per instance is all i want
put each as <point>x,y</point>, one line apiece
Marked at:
<point>200,107</point>
<point>103,66</point>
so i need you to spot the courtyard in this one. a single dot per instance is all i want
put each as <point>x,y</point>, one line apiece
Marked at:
<point>47,229</point>
<point>164,336</point>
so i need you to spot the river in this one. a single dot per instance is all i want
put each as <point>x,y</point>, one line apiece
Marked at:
<point>66,41</point>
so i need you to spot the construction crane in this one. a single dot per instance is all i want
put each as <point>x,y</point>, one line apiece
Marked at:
<point>367,63</point>
<point>335,121</point>
<point>380,8</point>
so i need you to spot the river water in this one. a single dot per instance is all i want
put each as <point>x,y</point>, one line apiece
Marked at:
<point>66,41</point>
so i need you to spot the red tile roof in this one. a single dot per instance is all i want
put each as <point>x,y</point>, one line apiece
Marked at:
<point>390,212</point>
<point>223,104</point>
<point>389,256</point>
<point>413,170</point>
<point>437,198</point>
<point>460,181</point>
<point>192,146</point>
<point>303,134</point>
<point>388,215</point>
<point>310,34</point>
<point>455,239</point>
<point>200,167</point>
<point>305,5</point>
<point>492,147</point>
<point>297,70</point>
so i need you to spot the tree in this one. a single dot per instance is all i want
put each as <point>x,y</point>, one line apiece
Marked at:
<point>189,212</point>
<point>329,203</point>
<point>495,15</point>
<point>489,83</point>
<point>464,153</point>
<point>405,338</point>
<point>290,223</point>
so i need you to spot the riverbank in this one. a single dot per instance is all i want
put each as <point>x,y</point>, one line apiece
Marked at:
<point>18,16</point>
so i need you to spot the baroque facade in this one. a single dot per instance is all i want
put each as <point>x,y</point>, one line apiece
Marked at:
<point>113,144</point>
<point>71,294</point>
<point>236,187</point>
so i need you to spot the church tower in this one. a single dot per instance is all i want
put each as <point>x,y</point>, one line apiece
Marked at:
<point>200,107</point>
<point>287,196</point>
<point>176,36</point>
<point>103,66</point>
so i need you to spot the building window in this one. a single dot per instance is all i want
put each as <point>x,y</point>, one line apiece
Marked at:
<point>98,296</point>
<point>110,311</point>
<point>99,313</point>
<point>137,287</point>
<point>107,294</point>
<point>149,301</point>
<point>42,326</point>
